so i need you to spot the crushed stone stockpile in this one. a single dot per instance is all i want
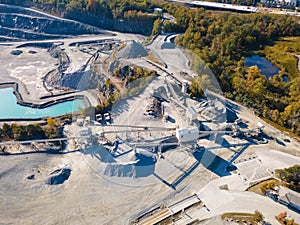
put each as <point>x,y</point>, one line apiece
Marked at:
<point>18,23</point>
<point>134,165</point>
<point>79,80</point>
<point>132,50</point>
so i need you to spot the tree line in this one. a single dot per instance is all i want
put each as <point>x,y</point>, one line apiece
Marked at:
<point>291,176</point>
<point>29,132</point>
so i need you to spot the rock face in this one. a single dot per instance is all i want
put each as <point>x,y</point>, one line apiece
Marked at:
<point>59,176</point>
<point>19,23</point>
<point>122,25</point>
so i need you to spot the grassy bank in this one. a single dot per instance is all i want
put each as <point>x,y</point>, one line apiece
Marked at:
<point>282,55</point>
<point>261,187</point>
<point>282,129</point>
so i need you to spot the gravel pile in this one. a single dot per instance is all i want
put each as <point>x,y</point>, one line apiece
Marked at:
<point>132,50</point>
<point>59,176</point>
<point>16,52</point>
<point>79,80</point>
<point>138,165</point>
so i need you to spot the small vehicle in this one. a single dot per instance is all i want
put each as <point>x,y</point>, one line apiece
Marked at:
<point>106,116</point>
<point>99,117</point>
<point>150,113</point>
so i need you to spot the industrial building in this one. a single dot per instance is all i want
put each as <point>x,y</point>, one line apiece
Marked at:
<point>185,135</point>
<point>191,114</point>
<point>222,6</point>
<point>289,197</point>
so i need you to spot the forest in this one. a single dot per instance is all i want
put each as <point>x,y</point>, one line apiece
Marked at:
<point>221,39</point>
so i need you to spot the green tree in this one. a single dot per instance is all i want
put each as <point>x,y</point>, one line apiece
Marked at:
<point>290,175</point>
<point>7,131</point>
<point>19,132</point>
<point>51,122</point>
<point>51,130</point>
<point>34,131</point>
<point>156,27</point>
<point>199,85</point>
<point>258,216</point>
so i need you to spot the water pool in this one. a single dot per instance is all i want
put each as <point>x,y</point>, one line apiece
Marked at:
<point>266,67</point>
<point>10,109</point>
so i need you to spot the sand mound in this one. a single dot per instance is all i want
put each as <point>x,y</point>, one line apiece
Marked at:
<point>132,50</point>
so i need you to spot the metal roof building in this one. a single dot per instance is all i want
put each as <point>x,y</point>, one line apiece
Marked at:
<point>185,135</point>
<point>223,6</point>
<point>289,197</point>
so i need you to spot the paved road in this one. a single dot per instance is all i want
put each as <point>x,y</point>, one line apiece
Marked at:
<point>172,56</point>
<point>38,141</point>
<point>237,200</point>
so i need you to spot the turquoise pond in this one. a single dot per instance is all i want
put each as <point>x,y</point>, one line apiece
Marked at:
<point>10,109</point>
